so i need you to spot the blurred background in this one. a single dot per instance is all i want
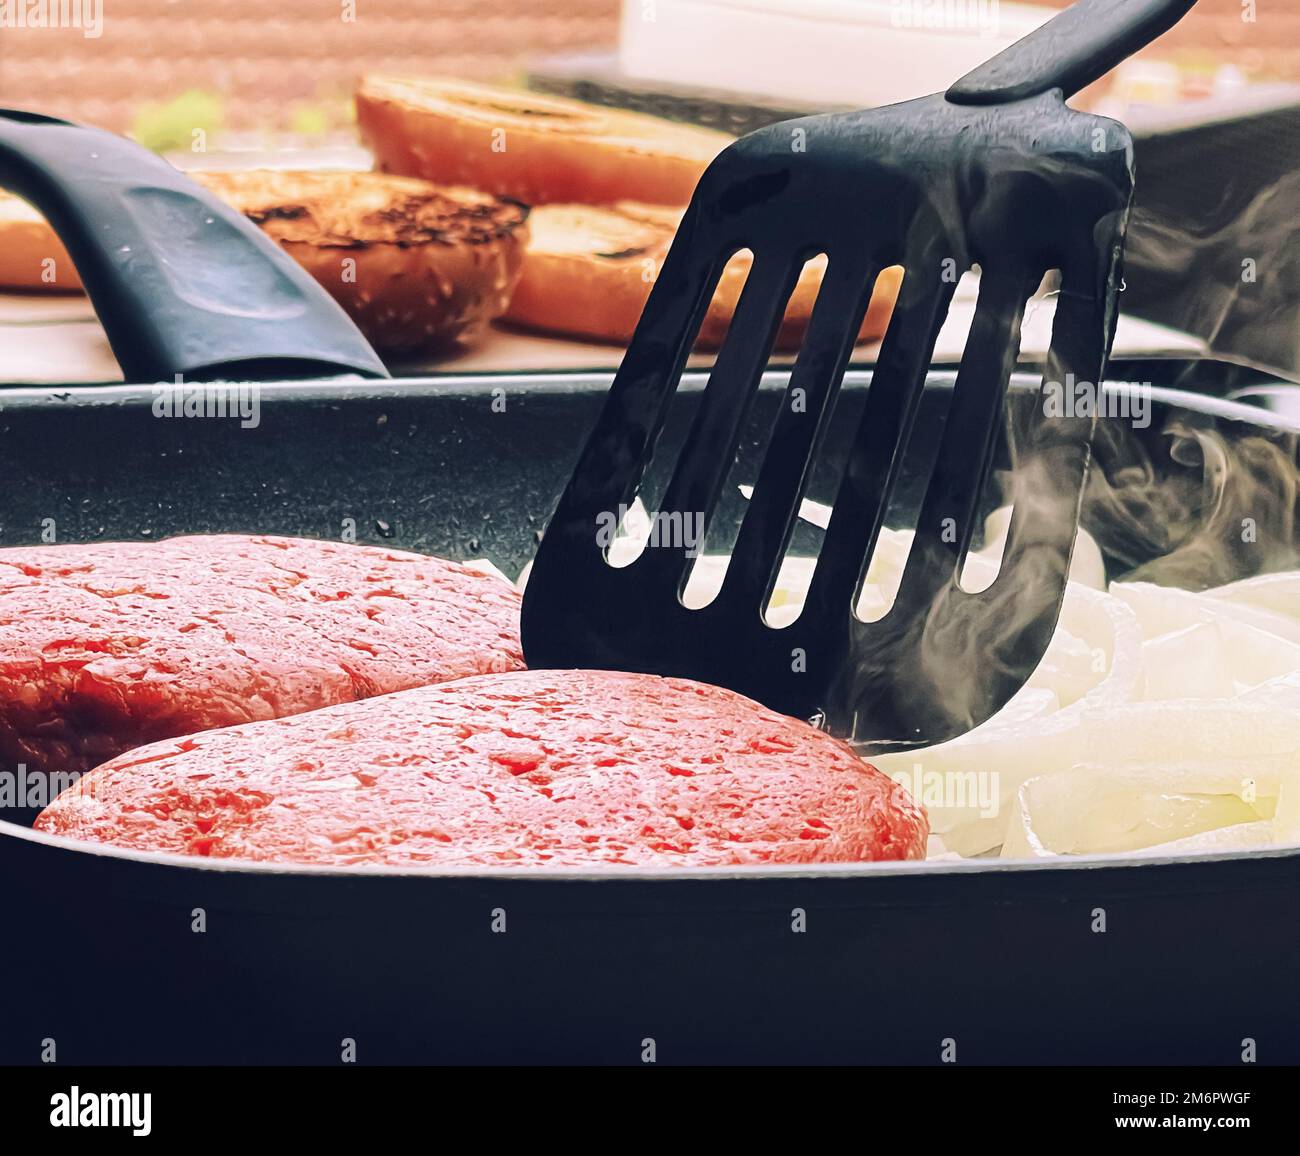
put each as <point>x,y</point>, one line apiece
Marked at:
<point>284,66</point>
<point>289,66</point>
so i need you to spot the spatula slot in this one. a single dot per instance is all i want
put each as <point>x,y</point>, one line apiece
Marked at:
<point>799,450</point>
<point>642,520</point>
<point>947,521</point>
<point>865,447</point>
<point>872,482</point>
<point>760,427</point>
<point>983,563</point>
<point>712,443</point>
<point>1050,435</point>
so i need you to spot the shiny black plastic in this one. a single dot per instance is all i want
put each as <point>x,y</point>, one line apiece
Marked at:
<point>1020,189</point>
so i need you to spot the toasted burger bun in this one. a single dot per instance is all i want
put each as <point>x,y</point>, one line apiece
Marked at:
<point>536,149</point>
<point>588,271</point>
<point>415,265</point>
<point>31,256</point>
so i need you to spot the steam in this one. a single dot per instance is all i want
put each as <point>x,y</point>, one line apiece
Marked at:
<point>1186,505</point>
<point>1218,510</point>
<point>1227,272</point>
<point>1183,505</point>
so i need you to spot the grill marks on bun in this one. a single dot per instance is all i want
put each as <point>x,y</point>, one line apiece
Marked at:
<point>417,266</point>
<point>354,210</point>
<point>430,264</point>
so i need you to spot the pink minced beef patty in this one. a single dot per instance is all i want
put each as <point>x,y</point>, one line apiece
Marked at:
<point>529,769</point>
<point>109,646</point>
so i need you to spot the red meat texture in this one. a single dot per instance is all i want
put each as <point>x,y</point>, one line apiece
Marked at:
<point>521,770</point>
<point>109,646</point>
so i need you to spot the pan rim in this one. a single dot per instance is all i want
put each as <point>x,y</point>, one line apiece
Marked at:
<point>341,390</point>
<point>920,868</point>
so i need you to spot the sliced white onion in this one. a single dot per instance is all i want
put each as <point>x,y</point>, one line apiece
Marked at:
<point>1188,663</point>
<point>1276,593</point>
<point>1118,808</point>
<point>1164,609</point>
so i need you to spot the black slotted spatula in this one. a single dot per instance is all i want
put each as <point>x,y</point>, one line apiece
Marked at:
<point>997,172</point>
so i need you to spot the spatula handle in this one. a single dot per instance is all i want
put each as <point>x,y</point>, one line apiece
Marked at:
<point>1070,51</point>
<point>182,283</point>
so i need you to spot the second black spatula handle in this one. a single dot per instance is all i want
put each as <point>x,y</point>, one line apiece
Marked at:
<point>183,283</point>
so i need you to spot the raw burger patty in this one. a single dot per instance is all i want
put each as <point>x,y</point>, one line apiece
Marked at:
<point>105,647</point>
<point>528,769</point>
